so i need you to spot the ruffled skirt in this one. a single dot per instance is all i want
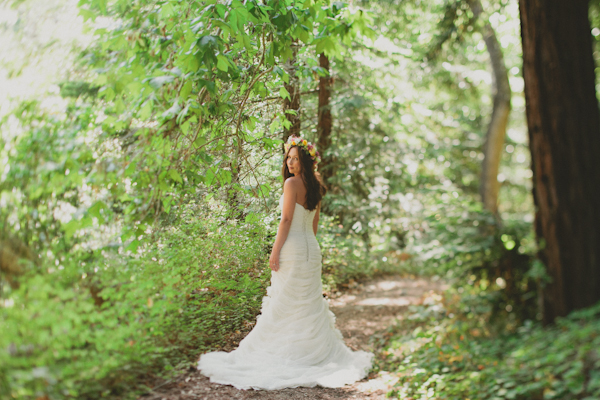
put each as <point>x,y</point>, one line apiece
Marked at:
<point>294,342</point>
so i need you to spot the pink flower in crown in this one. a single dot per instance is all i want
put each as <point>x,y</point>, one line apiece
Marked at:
<point>305,144</point>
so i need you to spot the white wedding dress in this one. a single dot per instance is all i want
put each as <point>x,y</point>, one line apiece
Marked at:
<point>294,342</point>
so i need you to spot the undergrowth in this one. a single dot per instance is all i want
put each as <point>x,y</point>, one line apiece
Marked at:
<point>105,323</point>
<point>483,338</point>
<point>446,349</point>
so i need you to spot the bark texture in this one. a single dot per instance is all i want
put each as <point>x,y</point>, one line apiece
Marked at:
<point>564,134</point>
<point>12,253</point>
<point>325,121</point>
<point>494,140</point>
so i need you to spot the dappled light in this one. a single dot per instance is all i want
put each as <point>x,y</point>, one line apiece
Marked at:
<point>141,149</point>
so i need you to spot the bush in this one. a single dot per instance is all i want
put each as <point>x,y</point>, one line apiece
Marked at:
<point>444,350</point>
<point>494,260</point>
<point>103,323</point>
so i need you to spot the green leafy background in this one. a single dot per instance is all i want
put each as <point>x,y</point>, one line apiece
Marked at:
<point>139,178</point>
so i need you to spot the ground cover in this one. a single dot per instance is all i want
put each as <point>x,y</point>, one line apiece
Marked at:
<point>446,348</point>
<point>363,312</point>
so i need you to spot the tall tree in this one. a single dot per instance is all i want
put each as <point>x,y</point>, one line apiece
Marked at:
<point>454,27</point>
<point>325,121</point>
<point>564,134</point>
<point>496,132</point>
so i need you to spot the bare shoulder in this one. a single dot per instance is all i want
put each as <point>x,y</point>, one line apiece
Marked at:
<point>292,183</point>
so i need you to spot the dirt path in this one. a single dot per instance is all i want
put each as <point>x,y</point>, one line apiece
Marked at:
<point>361,312</point>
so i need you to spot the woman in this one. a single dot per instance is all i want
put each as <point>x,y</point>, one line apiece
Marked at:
<point>295,341</point>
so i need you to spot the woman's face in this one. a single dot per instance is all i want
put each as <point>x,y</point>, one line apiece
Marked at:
<point>293,161</point>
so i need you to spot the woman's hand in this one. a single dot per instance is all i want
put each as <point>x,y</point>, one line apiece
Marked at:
<point>274,260</point>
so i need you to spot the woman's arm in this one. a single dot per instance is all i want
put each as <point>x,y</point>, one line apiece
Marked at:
<point>316,220</point>
<point>290,190</point>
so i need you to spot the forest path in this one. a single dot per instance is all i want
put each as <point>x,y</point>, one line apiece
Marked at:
<point>361,312</point>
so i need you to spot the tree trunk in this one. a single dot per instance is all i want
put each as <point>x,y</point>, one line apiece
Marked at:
<point>293,102</point>
<point>325,121</point>
<point>564,135</point>
<point>493,147</point>
<point>12,252</point>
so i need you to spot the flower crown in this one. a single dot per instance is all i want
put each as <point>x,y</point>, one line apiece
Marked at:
<point>306,145</point>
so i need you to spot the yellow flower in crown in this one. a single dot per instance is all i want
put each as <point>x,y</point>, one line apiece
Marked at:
<point>305,145</point>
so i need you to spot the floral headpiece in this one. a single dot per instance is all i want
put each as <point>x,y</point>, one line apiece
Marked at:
<point>306,145</point>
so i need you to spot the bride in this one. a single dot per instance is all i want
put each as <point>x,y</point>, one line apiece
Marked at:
<point>294,342</point>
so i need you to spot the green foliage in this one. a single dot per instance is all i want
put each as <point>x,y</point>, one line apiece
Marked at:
<point>145,201</point>
<point>472,250</point>
<point>346,258</point>
<point>100,322</point>
<point>148,198</point>
<point>179,80</point>
<point>38,188</point>
<point>409,133</point>
<point>443,350</point>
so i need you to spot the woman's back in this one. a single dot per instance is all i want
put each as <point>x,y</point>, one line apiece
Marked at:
<point>295,341</point>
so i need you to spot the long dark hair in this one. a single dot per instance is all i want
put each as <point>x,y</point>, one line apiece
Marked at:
<point>315,188</point>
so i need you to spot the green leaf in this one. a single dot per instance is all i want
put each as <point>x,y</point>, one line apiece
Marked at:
<point>166,201</point>
<point>133,246</point>
<point>274,125</point>
<point>199,141</point>
<point>167,11</point>
<point>224,176</point>
<point>174,174</point>
<point>265,189</point>
<point>209,177</point>
<point>163,185</point>
<point>96,211</point>
<point>70,228</point>
<point>185,127</point>
<point>284,93</point>
<point>221,9</point>
<point>131,167</point>
<point>233,21</point>
<point>282,74</point>
<point>320,71</point>
<point>222,63</point>
<point>209,85</point>
<point>250,218</point>
<point>185,90</point>
<point>208,42</point>
<point>189,63</point>
<point>107,93</point>
<point>87,14</point>
<point>173,111</point>
<point>286,53</point>
<point>245,39</point>
<point>135,87</point>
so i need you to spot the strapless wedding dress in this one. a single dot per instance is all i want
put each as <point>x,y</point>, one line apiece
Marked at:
<point>294,342</point>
